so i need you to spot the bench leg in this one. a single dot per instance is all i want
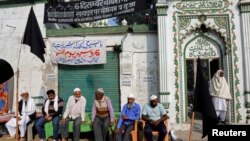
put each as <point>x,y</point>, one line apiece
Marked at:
<point>30,131</point>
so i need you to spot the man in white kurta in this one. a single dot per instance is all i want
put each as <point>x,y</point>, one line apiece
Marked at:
<point>219,90</point>
<point>75,111</point>
<point>26,114</point>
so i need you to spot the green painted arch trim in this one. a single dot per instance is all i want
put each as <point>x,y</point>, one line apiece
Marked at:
<point>244,7</point>
<point>143,28</point>
<point>162,15</point>
<point>247,92</point>
<point>248,105</point>
<point>164,93</point>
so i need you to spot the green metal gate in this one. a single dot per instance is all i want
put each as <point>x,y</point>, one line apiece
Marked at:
<point>90,77</point>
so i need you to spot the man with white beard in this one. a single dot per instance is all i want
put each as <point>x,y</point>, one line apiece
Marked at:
<point>27,113</point>
<point>129,114</point>
<point>75,111</point>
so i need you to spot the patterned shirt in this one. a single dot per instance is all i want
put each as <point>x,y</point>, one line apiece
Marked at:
<point>52,111</point>
<point>101,107</point>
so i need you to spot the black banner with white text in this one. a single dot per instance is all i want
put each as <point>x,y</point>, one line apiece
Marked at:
<point>90,10</point>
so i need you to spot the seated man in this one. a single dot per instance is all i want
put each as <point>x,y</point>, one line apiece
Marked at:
<point>75,111</point>
<point>154,114</point>
<point>130,113</point>
<point>52,111</point>
<point>102,115</point>
<point>27,113</point>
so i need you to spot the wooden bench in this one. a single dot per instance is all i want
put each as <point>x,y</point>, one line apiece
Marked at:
<point>48,127</point>
<point>30,131</point>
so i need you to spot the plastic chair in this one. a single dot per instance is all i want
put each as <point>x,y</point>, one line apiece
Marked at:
<point>133,133</point>
<point>155,133</point>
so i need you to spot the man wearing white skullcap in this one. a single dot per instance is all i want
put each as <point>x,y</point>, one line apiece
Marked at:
<point>152,97</point>
<point>102,115</point>
<point>77,90</point>
<point>130,113</point>
<point>154,114</point>
<point>75,111</point>
<point>27,113</point>
<point>100,90</point>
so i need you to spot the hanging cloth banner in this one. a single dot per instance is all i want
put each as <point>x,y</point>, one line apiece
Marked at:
<point>90,10</point>
<point>83,52</point>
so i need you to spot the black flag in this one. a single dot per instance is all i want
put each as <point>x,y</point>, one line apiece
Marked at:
<point>203,101</point>
<point>6,71</point>
<point>33,36</point>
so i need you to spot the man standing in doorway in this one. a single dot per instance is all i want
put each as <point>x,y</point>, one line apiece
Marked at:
<point>220,92</point>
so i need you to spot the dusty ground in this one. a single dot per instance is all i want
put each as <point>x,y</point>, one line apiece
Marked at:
<point>182,134</point>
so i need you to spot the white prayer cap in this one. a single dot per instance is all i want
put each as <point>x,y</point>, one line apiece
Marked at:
<point>24,91</point>
<point>153,97</point>
<point>131,96</point>
<point>100,90</point>
<point>77,90</point>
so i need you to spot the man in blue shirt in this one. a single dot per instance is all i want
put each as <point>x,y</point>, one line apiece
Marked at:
<point>154,114</point>
<point>130,113</point>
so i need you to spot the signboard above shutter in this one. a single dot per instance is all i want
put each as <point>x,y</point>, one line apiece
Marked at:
<point>80,52</point>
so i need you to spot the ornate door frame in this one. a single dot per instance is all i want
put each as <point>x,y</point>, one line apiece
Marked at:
<point>184,25</point>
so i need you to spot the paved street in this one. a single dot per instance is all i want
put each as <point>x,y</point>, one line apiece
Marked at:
<point>183,135</point>
<point>183,132</point>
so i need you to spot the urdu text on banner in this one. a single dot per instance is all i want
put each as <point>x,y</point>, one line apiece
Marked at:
<point>90,10</point>
<point>79,52</point>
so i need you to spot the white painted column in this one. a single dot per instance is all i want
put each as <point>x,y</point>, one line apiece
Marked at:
<point>245,22</point>
<point>162,36</point>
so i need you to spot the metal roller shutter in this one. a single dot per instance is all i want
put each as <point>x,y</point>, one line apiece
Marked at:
<point>90,77</point>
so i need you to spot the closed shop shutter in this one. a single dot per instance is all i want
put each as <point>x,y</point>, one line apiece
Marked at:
<point>90,77</point>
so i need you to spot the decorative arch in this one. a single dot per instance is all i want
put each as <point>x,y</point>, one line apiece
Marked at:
<point>212,51</point>
<point>218,26</point>
<point>208,48</point>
